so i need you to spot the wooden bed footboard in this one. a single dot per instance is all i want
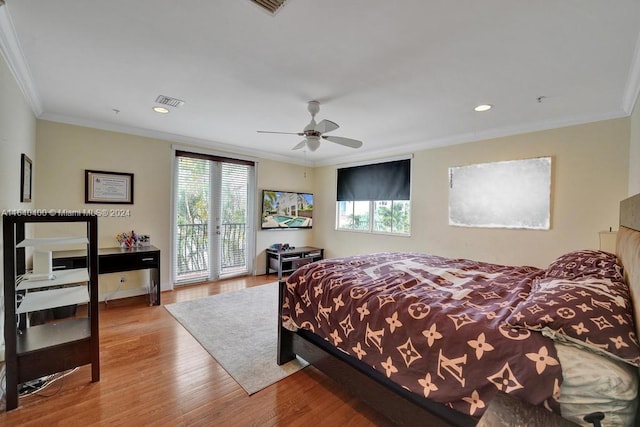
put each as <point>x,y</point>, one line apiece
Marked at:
<point>396,403</point>
<point>285,336</point>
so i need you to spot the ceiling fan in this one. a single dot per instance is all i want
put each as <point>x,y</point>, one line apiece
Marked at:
<point>314,131</point>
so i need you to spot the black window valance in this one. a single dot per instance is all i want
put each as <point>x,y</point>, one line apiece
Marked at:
<point>180,153</point>
<point>379,181</point>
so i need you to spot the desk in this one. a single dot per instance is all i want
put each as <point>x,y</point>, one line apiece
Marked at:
<point>289,260</point>
<point>115,260</point>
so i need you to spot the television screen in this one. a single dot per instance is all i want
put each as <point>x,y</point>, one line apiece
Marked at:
<point>286,210</point>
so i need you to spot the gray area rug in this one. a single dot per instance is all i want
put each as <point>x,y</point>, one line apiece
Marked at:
<point>239,329</point>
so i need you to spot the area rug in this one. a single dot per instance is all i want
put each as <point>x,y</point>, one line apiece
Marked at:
<point>239,329</point>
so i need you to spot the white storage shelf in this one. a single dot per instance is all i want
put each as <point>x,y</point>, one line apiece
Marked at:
<point>60,277</point>
<point>34,349</point>
<point>52,298</point>
<point>52,241</point>
<point>39,297</point>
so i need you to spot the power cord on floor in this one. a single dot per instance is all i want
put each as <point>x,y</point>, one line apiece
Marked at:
<point>35,387</point>
<point>110,296</point>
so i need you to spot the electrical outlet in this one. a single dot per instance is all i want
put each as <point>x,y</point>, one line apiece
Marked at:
<point>122,279</point>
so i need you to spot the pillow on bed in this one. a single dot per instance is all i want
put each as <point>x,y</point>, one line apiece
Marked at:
<point>592,313</point>
<point>585,263</point>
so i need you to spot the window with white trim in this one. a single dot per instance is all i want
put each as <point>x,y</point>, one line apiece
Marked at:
<point>375,198</point>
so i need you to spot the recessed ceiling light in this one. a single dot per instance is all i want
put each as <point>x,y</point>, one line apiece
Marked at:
<point>483,107</point>
<point>161,110</point>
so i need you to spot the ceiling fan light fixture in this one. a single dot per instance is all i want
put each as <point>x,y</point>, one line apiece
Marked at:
<point>483,107</point>
<point>314,131</point>
<point>313,143</point>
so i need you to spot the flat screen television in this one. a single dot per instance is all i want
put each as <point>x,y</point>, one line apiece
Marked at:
<point>283,210</point>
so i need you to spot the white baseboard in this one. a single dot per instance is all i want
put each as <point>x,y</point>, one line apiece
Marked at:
<point>123,293</point>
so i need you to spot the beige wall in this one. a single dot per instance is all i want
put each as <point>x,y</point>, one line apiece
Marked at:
<point>589,179</point>
<point>280,176</point>
<point>69,150</point>
<point>66,151</point>
<point>634,151</point>
<point>17,136</point>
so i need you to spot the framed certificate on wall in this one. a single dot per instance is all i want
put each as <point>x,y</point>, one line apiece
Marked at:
<point>108,187</point>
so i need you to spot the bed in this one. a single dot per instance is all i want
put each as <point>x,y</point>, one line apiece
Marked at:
<point>431,341</point>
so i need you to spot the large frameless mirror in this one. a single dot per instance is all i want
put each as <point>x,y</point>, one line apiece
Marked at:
<point>508,194</point>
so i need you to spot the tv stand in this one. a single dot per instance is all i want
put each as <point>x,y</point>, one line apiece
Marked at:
<point>289,260</point>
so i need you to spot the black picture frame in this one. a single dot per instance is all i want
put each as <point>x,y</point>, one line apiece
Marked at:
<point>108,187</point>
<point>26,178</point>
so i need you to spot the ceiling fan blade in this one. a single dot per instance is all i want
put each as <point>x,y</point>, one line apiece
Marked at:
<point>348,142</point>
<point>300,144</point>
<point>326,126</point>
<point>283,133</point>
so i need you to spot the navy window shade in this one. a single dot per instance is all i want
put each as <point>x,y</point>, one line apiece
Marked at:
<point>379,181</point>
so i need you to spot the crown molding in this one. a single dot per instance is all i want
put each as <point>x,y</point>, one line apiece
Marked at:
<point>398,149</point>
<point>172,138</point>
<point>12,54</point>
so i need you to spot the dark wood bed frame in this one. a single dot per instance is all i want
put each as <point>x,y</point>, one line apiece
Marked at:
<point>396,403</point>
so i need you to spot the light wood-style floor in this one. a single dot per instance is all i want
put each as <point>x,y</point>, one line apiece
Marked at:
<point>153,372</point>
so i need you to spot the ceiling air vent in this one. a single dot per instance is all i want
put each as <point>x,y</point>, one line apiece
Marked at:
<point>167,100</point>
<point>270,5</point>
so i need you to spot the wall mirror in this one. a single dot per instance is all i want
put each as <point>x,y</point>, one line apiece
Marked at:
<point>507,194</point>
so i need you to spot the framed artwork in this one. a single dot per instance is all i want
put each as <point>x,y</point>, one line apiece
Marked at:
<point>26,172</point>
<point>108,187</point>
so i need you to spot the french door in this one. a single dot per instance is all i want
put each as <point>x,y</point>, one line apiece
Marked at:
<point>213,212</point>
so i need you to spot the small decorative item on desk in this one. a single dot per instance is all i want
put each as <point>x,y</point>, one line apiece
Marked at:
<point>131,240</point>
<point>145,240</point>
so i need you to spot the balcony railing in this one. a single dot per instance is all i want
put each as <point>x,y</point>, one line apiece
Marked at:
<point>193,248</point>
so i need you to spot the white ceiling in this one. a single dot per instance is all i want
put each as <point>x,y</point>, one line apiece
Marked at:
<point>399,75</point>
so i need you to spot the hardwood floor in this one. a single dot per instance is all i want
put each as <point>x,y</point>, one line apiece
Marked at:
<point>153,372</point>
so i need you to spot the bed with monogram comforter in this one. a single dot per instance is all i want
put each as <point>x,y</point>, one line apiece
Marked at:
<point>456,331</point>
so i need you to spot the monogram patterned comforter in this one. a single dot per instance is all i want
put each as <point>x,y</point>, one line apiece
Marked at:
<point>431,324</point>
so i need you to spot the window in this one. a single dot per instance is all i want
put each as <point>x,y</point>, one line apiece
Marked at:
<point>213,212</point>
<point>375,198</point>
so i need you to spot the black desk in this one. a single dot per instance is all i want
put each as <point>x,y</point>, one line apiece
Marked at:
<point>115,260</point>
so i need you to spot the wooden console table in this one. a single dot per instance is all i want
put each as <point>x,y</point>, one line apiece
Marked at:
<point>115,260</point>
<point>289,260</point>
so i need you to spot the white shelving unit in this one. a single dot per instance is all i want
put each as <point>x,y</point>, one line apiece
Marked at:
<point>59,278</point>
<point>34,351</point>
<point>43,242</point>
<point>52,298</point>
